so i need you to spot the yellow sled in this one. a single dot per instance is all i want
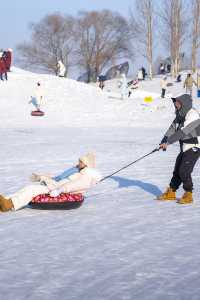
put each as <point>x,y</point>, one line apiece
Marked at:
<point>148,99</point>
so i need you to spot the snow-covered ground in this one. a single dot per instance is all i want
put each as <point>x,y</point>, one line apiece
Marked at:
<point>121,244</point>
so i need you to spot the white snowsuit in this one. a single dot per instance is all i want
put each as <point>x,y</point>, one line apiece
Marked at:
<point>123,86</point>
<point>140,75</point>
<point>77,183</point>
<point>39,96</point>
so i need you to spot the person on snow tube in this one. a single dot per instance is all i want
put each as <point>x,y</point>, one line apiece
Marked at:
<point>77,183</point>
<point>37,100</point>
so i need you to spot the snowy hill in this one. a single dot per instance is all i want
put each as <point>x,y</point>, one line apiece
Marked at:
<point>121,244</point>
<point>71,103</point>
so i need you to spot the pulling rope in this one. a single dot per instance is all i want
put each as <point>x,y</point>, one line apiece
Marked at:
<point>106,177</point>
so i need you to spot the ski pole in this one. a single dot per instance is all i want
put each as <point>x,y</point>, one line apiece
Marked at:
<point>106,177</point>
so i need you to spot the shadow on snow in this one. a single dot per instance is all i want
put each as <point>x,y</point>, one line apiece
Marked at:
<point>147,187</point>
<point>125,183</point>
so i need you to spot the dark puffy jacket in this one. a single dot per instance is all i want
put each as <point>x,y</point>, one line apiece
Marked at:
<point>186,126</point>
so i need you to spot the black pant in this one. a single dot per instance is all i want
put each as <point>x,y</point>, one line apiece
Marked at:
<point>184,166</point>
<point>163,93</point>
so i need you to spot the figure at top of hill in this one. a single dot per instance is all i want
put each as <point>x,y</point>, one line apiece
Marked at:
<point>61,70</point>
<point>7,55</point>
<point>122,84</point>
<point>144,73</point>
<point>162,69</point>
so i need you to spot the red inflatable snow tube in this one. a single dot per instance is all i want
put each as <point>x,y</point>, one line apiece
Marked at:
<point>37,113</point>
<point>63,201</point>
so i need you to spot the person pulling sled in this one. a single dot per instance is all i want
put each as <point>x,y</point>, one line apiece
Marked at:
<point>186,129</point>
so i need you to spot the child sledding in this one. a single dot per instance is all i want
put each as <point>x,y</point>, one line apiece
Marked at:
<point>37,101</point>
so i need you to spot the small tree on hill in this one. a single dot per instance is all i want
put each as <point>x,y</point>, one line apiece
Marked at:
<point>175,19</point>
<point>52,40</point>
<point>195,32</point>
<point>103,37</point>
<point>142,24</point>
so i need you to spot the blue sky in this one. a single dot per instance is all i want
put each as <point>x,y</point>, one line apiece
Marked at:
<point>16,15</point>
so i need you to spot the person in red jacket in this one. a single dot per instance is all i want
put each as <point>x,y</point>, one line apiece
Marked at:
<point>8,59</point>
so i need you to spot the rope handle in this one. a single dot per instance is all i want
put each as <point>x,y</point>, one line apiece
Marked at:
<point>108,176</point>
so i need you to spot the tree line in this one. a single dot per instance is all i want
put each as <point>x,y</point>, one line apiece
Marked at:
<point>94,40</point>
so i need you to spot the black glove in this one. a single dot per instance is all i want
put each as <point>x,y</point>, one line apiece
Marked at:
<point>164,140</point>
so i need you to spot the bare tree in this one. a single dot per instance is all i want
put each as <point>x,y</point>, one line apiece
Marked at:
<point>103,37</point>
<point>52,40</point>
<point>175,18</point>
<point>142,22</point>
<point>195,32</point>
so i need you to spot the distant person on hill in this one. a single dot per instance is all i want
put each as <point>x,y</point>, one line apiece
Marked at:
<point>3,71</point>
<point>38,98</point>
<point>162,69</point>
<point>61,70</point>
<point>185,129</point>
<point>168,68</point>
<point>188,84</point>
<point>143,72</point>
<point>163,86</point>
<point>81,180</point>
<point>140,75</point>
<point>101,85</point>
<point>123,86</point>
<point>101,79</point>
<point>8,58</point>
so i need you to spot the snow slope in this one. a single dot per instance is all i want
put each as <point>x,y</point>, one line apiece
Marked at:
<point>71,103</point>
<point>121,244</point>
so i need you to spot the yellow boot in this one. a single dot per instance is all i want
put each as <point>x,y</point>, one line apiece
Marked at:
<point>168,195</point>
<point>186,198</point>
<point>5,204</point>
